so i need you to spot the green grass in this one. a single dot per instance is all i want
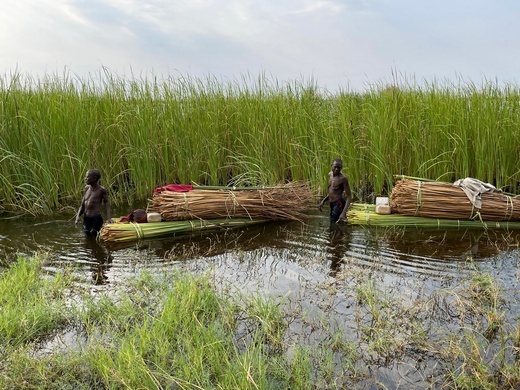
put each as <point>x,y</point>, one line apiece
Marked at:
<point>31,306</point>
<point>174,330</point>
<point>146,132</point>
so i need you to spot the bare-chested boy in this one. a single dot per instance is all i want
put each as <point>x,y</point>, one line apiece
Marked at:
<point>338,184</point>
<point>93,196</point>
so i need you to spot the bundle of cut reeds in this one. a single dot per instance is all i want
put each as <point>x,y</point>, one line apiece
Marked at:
<point>365,214</point>
<point>131,231</point>
<point>283,202</point>
<point>444,200</point>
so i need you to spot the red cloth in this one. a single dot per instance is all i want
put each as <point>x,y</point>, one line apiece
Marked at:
<point>174,188</point>
<point>138,216</point>
<point>127,218</point>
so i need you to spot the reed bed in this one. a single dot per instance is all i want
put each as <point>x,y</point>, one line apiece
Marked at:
<point>125,232</point>
<point>283,202</point>
<point>145,132</point>
<point>443,200</point>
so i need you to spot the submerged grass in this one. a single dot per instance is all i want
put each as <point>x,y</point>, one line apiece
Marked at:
<point>142,133</point>
<point>175,331</point>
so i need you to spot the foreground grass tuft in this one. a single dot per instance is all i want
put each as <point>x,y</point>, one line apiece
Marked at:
<point>31,305</point>
<point>175,331</point>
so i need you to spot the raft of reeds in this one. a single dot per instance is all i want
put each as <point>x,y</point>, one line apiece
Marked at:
<point>130,231</point>
<point>283,202</point>
<point>365,214</point>
<point>445,201</point>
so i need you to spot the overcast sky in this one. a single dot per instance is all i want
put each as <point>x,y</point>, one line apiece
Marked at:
<point>349,44</point>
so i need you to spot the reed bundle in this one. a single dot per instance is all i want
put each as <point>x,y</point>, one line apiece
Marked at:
<point>365,214</point>
<point>124,232</point>
<point>443,200</point>
<point>284,202</point>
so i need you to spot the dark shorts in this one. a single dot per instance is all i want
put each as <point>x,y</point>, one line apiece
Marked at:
<point>336,208</point>
<point>92,225</point>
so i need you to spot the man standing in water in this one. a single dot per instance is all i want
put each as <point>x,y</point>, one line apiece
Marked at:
<point>93,196</point>
<point>338,184</point>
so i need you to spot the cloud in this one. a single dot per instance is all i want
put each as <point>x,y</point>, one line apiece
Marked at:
<point>338,43</point>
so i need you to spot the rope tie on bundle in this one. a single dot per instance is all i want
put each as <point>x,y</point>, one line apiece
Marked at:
<point>138,230</point>
<point>234,202</point>
<point>509,202</point>
<point>186,207</point>
<point>473,214</point>
<point>419,204</point>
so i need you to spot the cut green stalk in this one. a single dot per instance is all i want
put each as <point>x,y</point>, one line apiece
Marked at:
<point>124,232</point>
<point>365,214</point>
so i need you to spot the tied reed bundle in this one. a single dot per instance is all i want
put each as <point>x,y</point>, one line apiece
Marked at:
<point>283,202</point>
<point>365,214</point>
<point>443,200</point>
<point>124,232</point>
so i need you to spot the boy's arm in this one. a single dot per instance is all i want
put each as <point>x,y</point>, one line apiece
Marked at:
<point>107,206</point>
<point>348,199</point>
<point>320,206</point>
<point>80,212</point>
<point>81,209</point>
<point>322,203</point>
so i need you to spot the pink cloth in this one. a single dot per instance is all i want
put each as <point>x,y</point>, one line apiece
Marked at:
<point>174,188</point>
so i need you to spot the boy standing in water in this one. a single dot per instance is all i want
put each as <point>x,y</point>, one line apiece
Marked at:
<point>93,196</point>
<point>338,184</point>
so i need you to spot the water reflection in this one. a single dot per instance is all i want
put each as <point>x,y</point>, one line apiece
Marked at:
<point>101,260</point>
<point>431,253</point>
<point>339,243</point>
<point>314,266</point>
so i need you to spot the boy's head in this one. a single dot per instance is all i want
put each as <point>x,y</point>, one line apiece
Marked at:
<point>337,165</point>
<point>93,175</point>
<point>337,161</point>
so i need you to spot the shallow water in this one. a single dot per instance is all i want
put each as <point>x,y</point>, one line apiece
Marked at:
<point>285,259</point>
<point>289,245</point>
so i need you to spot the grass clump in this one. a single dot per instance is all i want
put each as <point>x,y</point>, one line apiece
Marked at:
<point>171,331</point>
<point>31,306</point>
<point>174,330</point>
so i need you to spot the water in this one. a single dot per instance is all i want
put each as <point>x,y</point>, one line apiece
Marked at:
<point>299,262</point>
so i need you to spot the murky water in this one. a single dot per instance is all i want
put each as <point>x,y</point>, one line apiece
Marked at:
<point>288,245</point>
<point>292,260</point>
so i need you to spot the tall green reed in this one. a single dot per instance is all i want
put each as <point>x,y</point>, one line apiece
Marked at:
<point>145,132</point>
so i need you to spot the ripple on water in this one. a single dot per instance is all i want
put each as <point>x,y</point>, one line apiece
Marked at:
<point>281,246</point>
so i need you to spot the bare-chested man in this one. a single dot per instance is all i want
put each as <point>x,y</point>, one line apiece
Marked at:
<point>338,184</point>
<point>93,196</point>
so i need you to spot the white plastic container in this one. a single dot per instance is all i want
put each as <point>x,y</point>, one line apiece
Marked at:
<point>383,209</point>
<point>154,217</point>
<point>382,201</point>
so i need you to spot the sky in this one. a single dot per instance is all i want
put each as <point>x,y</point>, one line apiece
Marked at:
<point>337,45</point>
